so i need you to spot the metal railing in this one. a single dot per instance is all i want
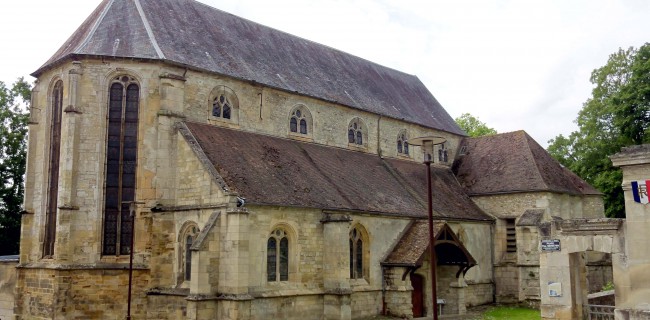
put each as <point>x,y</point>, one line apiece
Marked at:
<point>600,312</point>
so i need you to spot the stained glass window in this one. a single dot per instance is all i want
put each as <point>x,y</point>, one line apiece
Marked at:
<point>121,163</point>
<point>356,254</point>
<point>277,256</point>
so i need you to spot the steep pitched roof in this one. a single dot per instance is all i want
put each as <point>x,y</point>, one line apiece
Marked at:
<point>273,171</point>
<point>412,246</point>
<point>514,162</point>
<point>194,35</point>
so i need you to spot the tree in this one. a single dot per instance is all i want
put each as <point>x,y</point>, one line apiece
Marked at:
<point>13,154</point>
<point>473,126</point>
<point>616,115</point>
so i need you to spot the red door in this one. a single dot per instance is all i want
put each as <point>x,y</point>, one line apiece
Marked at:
<point>417,295</point>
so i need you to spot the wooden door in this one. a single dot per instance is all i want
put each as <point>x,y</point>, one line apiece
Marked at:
<point>417,295</point>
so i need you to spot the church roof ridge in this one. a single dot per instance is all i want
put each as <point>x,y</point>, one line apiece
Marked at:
<point>197,36</point>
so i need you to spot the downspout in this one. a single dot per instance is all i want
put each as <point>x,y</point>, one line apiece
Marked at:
<point>492,253</point>
<point>378,137</point>
<point>383,290</point>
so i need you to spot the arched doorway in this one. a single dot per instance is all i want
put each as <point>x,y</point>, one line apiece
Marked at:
<point>417,295</point>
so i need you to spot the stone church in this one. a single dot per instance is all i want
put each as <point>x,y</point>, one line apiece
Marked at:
<point>263,176</point>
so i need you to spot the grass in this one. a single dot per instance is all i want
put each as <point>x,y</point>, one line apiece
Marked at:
<point>511,313</point>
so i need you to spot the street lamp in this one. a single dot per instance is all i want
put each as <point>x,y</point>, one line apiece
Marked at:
<point>428,143</point>
<point>132,209</point>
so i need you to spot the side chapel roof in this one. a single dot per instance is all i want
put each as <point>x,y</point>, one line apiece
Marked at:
<point>413,245</point>
<point>268,170</point>
<point>190,34</point>
<point>514,162</point>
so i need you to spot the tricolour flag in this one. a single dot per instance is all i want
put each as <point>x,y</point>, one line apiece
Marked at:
<point>640,191</point>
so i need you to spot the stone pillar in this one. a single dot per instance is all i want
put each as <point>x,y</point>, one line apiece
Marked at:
<point>398,301</point>
<point>555,271</point>
<point>234,256</point>
<point>631,279</point>
<point>172,97</point>
<point>336,267</point>
<point>68,206</point>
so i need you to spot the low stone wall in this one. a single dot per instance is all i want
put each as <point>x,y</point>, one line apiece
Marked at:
<point>365,303</point>
<point>290,307</point>
<point>477,294</point>
<point>7,286</point>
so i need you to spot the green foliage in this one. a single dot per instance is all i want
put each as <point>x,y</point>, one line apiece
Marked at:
<point>608,286</point>
<point>616,115</point>
<point>473,126</point>
<point>13,141</point>
<point>511,313</point>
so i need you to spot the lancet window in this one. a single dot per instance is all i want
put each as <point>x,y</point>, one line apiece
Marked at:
<point>121,163</point>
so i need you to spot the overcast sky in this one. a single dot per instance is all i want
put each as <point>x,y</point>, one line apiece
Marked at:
<point>515,64</point>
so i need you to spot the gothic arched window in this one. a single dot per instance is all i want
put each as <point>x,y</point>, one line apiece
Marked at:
<point>221,107</point>
<point>356,254</point>
<point>402,143</point>
<point>277,256</point>
<point>53,182</point>
<point>223,104</point>
<point>121,163</point>
<point>187,239</point>
<point>356,130</point>
<point>300,121</point>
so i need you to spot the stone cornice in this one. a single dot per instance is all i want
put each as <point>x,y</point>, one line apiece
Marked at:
<point>592,226</point>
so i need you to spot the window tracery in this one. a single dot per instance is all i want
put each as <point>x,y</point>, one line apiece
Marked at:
<point>121,162</point>
<point>188,238</point>
<point>223,104</point>
<point>356,131</point>
<point>300,121</point>
<point>356,254</point>
<point>277,256</point>
<point>402,143</point>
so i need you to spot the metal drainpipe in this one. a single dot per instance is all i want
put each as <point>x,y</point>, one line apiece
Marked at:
<point>379,137</point>
<point>383,291</point>
<point>494,283</point>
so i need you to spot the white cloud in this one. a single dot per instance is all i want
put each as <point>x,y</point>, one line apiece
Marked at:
<point>514,64</point>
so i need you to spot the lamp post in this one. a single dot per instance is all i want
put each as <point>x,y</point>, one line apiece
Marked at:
<point>427,144</point>
<point>132,207</point>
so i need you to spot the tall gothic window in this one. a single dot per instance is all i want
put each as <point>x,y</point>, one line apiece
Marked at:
<point>356,254</point>
<point>187,239</point>
<point>277,256</point>
<point>121,160</point>
<point>53,183</point>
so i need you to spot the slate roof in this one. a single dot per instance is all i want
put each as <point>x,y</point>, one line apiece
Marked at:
<point>274,171</point>
<point>190,34</point>
<point>514,162</point>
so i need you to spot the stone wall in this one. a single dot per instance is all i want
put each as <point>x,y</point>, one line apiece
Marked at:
<point>477,294</point>
<point>7,286</point>
<point>365,303</point>
<point>80,294</point>
<point>287,307</point>
<point>78,281</point>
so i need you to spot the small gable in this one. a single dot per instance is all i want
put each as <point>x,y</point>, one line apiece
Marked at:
<point>413,247</point>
